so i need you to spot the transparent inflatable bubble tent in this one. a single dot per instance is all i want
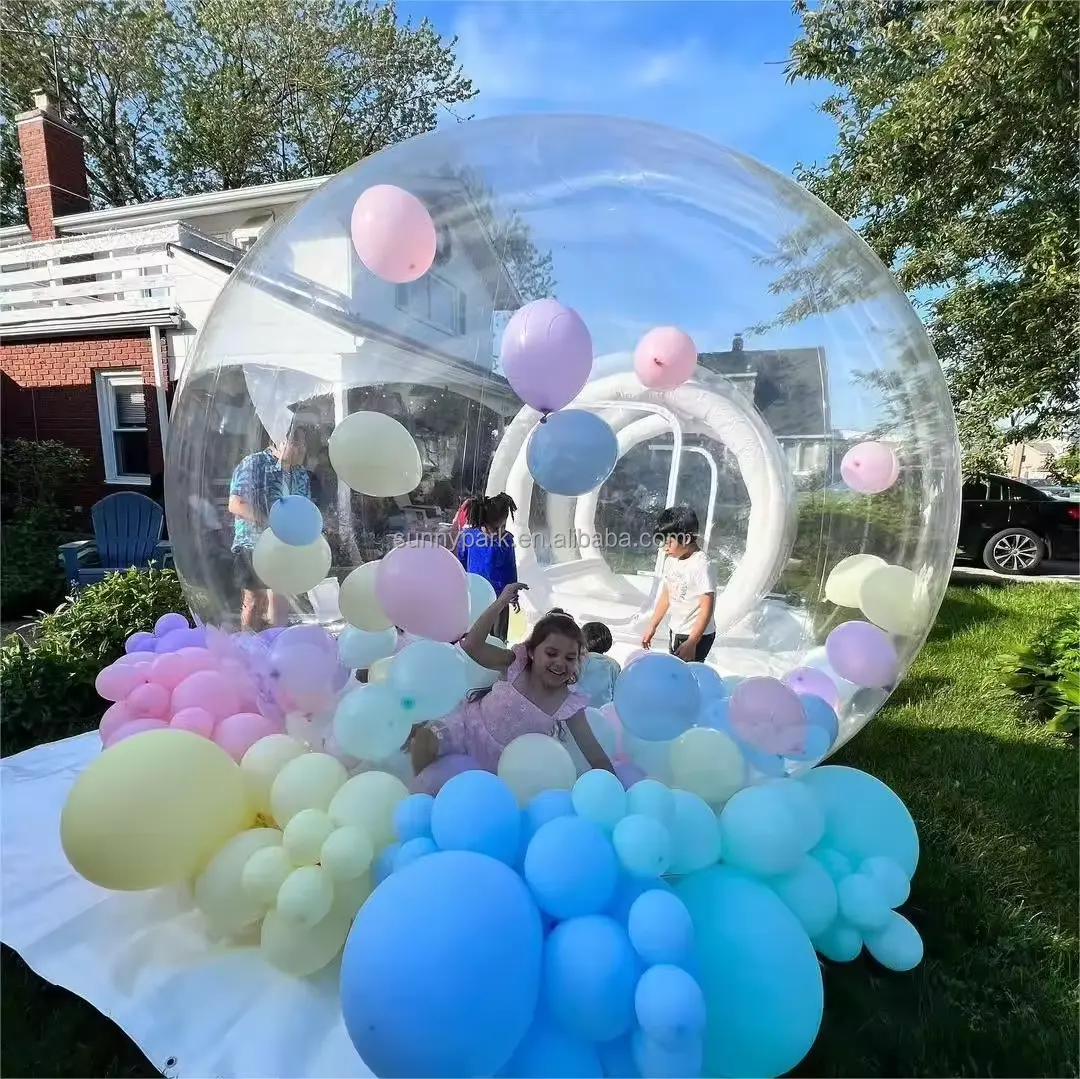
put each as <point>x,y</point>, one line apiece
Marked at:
<point>813,437</point>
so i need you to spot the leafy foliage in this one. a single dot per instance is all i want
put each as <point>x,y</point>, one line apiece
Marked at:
<point>1065,467</point>
<point>48,680</point>
<point>956,161</point>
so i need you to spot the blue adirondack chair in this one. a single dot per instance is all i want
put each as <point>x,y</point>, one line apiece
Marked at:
<point>127,532</point>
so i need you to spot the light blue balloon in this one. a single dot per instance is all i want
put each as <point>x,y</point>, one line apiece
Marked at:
<point>626,893</point>
<point>446,994</point>
<point>571,452</point>
<point>570,867</point>
<point>643,845</point>
<point>600,797</point>
<point>820,713</point>
<point>835,864</point>
<point>412,817</point>
<point>590,973</point>
<point>768,764</point>
<point>862,903</point>
<point>816,744</point>
<point>383,865</point>
<point>889,877</point>
<point>547,805</point>
<point>714,714</point>
<point>477,811</point>
<point>695,834</point>
<point>660,927</point>
<point>412,850</point>
<point>653,798</point>
<point>358,649</point>
<point>429,679</point>
<point>481,595</point>
<point>370,724</point>
<point>758,971</point>
<point>898,945</point>
<point>809,893</point>
<point>710,682</point>
<point>656,1061</point>
<point>669,1005</point>
<point>863,817</point>
<point>760,832</point>
<point>804,807</point>
<point>548,1052</point>
<point>617,1058</point>
<point>296,520</point>
<point>657,698</point>
<point>841,942</point>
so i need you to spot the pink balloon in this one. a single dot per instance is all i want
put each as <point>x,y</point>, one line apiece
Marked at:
<point>116,681</point>
<point>236,734</point>
<point>441,771</point>
<point>197,720</point>
<point>870,468</point>
<point>170,669</point>
<point>546,354</point>
<point>207,689</point>
<point>150,700</point>
<point>863,654</point>
<point>393,233</point>
<point>768,716</point>
<point>816,683</point>
<point>116,715</point>
<point>424,590</point>
<point>136,726</point>
<point>665,358</point>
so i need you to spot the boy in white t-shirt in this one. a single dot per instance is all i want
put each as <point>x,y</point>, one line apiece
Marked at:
<point>688,595</point>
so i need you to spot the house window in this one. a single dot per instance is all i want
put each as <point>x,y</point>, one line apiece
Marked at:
<point>125,438</point>
<point>435,301</point>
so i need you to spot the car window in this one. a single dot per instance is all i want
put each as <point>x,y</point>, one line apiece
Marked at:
<point>974,490</point>
<point>1024,492</point>
<point>997,490</point>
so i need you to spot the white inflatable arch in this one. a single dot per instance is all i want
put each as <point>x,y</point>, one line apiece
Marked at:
<point>709,404</point>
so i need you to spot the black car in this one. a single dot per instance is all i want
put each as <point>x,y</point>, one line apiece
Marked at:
<point>1013,527</point>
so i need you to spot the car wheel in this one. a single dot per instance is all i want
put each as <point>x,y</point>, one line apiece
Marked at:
<point>1014,551</point>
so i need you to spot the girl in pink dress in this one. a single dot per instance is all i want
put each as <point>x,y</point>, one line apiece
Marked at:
<point>535,697</point>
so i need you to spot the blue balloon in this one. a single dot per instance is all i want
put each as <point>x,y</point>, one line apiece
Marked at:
<point>695,834</point>
<point>889,877</point>
<point>370,724</point>
<point>600,797</point>
<point>451,995</point>
<point>413,850</point>
<point>477,811</point>
<point>383,865</point>
<point>571,452</point>
<point>643,845</point>
<point>760,831</point>
<point>590,973</point>
<point>657,697</point>
<point>833,862</point>
<point>840,942</point>
<point>898,945</point>
<point>862,903</point>
<point>758,971</point>
<point>617,1058</point>
<point>626,892</point>
<point>429,678</point>
<point>570,866</point>
<point>358,649</point>
<point>809,893</point>
<point>660,927</point>
<point>653,798</point>
<point>548,1052</point>
<point>656,1061</point>
<point>296,520</point>
<point>863,817</point>
<point>819,713</point>
<point>710,682</point>
<point>412,817</point>
<point>547,805</point>
<point>670,1005</point>
<point>768,764</point>
<point>816,743</point>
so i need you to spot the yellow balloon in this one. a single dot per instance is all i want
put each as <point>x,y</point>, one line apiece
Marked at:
<point>375,455</point>
<point>367,801</point>
<point>305,834</point>
<point>287,569</point>
<point>843,583</point>
<point>301,951</point>
<point>261,764</point>
<point>379,671</point>
<point>534,763</point>
<point>347,853</point>
<point>153,810</point>
<point>358,603</point>
<point>264,873</point>
<point>219,891</point>
<point>707,763</point>
<point>351,895</point>
<point>308,782</point>
<point>306,896</point>
<point>892,598</point>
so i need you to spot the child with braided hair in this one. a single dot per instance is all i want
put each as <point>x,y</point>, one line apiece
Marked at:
<point>487,549</point>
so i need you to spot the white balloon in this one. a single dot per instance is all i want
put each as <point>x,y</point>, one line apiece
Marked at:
<point>357,601</point>
<point>843,583</point>
<point>707,763</point>
<point>287,569</point>
<point>375,455</point>
<point>481,595</point>
<point>892,598</point>
<point>534,763</point>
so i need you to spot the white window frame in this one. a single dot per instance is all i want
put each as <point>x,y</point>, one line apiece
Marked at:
<point>105,382</point>
<point>401,302</point>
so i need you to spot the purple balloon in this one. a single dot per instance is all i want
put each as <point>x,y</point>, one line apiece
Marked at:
<point>767,715</point>
<point>169,622</point>
<point>175,639</point>
<point>270,635</point>
<point>309,634</point>
<point>546,354</point>
<point>863,654</point>
<point>814,682</point>
<point>304,668</point>
<point>140,642</point>
<point>432,778</point>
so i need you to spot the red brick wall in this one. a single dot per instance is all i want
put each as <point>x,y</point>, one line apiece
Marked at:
<point>48,391</point>
<point>54,172</point>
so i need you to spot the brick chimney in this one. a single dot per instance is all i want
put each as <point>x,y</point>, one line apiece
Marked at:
<point>54,167</point>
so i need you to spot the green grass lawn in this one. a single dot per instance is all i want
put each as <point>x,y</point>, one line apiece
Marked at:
<point>995,894</point>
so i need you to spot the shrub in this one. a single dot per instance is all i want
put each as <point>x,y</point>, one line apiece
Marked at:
<point>48,684</point>
<point>1046,674</point>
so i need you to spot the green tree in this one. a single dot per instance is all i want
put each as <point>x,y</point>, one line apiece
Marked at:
<point>956,161</point>
<point>1065,467</point>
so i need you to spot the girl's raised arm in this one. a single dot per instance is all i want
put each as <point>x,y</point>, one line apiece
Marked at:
<point>476,644</point>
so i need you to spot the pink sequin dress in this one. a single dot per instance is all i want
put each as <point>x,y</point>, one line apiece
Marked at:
<point>484,728</point>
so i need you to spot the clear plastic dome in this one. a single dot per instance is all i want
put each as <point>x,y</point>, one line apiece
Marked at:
<point>809,354</point>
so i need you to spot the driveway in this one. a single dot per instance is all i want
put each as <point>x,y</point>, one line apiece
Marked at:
<point>1049,571</point>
